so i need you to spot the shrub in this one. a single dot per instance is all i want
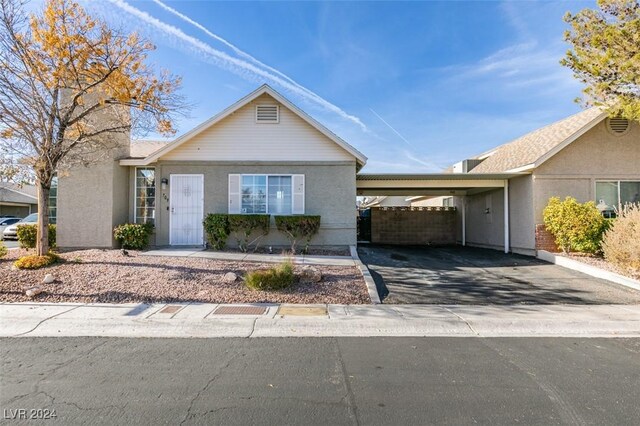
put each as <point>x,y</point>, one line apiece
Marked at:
<point>3,250</point>
<point>216,226</point>
<point>575,226</point>
<point>28,235</point>
<point>36,262</point>
<point>276,278</point>
<point>134,236</point>
<point>297,228</point>
<point>621,243</point>
<point>243,226</point>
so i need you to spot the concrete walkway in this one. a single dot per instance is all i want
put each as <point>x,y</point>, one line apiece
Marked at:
<point>266,320</point>
<point>252,257</point>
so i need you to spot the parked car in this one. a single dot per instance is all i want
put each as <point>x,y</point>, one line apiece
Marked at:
<point>11,231</point>
<point>6,221</point>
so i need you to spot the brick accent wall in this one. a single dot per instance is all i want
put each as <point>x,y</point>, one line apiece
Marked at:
<point>545,240</point>
<point>413,225</point>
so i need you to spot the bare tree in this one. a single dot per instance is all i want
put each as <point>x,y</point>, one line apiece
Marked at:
<point>67,83</point>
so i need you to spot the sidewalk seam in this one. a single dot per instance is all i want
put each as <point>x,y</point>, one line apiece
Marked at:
<point>462,319</point>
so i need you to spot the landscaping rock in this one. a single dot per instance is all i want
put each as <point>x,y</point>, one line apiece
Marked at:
<point>229,277</point>
<point>310,274</point>
<point>48,279</point>
<point>34,291</point>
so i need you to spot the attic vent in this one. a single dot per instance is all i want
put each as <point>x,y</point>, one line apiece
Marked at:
<point>618,126</point>
<point>267,114</point>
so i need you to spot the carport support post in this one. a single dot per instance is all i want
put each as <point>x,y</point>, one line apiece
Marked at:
<point>506,216</point>
<point>464,221</point>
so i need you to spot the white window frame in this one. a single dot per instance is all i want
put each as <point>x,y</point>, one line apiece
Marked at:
<point>135,193</point>
<point>53,185</point>
<point>267,194</point>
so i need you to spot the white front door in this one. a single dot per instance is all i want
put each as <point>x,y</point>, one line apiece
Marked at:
<point>186,210</point>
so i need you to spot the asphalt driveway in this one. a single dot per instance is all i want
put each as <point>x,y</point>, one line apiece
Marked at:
<point>472,276</point>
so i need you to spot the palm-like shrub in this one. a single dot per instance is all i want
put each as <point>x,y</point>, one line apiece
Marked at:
<point>621,243</point>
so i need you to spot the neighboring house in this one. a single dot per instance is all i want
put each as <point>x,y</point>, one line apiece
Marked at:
<point>17,200</point>
<point>587,156</point>
<point>260,155</point>
<point>385,201</point>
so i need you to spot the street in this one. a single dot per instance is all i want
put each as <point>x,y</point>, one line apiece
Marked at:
<point>366,381</point>
<point>11,243</point>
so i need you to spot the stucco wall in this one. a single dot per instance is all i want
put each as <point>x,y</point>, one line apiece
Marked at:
<point>484,229</point>
<point>597,155</point>
<point>330,191</point>
<point>521,224</point>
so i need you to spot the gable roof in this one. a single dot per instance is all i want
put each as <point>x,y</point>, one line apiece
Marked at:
<point>11,192</point>
<point>360,158</point>
<point>144,148</point>
<point>529,151</point>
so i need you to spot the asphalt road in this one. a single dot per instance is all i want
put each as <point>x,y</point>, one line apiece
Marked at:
<point>328,381</point>
<point>473,276</point>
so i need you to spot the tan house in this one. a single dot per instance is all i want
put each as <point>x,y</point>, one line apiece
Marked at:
<point>260,155</point>
<point>588,156</point>
<point>17,200</point>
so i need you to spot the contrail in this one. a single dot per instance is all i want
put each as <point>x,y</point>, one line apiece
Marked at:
<point>237,65</point>
<point>391,127</point>
<point>236,49</point>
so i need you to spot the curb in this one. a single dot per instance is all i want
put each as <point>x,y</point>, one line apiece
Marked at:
<point>366,275</point>
<point>588,269</point>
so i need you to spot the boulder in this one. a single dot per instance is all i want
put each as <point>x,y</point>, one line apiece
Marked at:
<point>229,277</point>
<point>48,279</point>
<point>310,274</point>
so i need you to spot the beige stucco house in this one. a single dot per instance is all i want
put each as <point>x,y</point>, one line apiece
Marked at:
<point>588,156</point>
<point>260,155</point>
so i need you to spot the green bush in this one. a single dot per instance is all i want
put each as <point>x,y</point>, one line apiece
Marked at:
<point>276,278</point>
<point>3,250</point>
<point>36,262</point>
<point>28,235</point>
<point>134,236</point>
<point>243,226</point>
<point>575,226</point>
<point>216,227</point>
<point>621,243</point>
<point>296,228</point>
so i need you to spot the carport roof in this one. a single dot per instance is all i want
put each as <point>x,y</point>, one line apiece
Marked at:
<point>431,184</point>
<point>436,176</point>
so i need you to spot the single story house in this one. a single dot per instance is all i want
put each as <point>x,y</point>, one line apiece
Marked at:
<point>17,200</point>
<point>260,155</point>
<point>265,155</point>
<point>588,156</point>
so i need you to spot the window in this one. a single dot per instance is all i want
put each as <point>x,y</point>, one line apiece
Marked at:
<point>447,202</point>
<point>53,200</point>
<point>266,194</point>
<point>145,195</point>
<point>612,195</point>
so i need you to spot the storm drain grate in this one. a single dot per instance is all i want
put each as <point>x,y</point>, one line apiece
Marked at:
<point>240,310</point>
<point>170,309</point>
<point>302,311</point>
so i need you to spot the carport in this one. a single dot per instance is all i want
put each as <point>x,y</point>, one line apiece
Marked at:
<point>440,184</point>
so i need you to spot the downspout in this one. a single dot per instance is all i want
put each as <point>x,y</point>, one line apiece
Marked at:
<point>506,216</point>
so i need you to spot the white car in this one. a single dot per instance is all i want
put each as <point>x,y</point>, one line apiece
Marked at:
<point>7,221</point>
<point>11,231</point>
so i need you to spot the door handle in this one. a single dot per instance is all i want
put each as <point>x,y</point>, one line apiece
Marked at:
<point>172,211</point>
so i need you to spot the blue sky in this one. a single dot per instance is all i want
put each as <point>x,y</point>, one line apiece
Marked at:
<point>415,86</point>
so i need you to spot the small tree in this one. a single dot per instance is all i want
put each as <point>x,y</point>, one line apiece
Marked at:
<point>67,83</point>
<point>575,226</point>
<point>605,55</point>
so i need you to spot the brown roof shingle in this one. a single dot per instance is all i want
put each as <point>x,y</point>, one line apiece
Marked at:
<point>529,148</point>
<point>144,148</point>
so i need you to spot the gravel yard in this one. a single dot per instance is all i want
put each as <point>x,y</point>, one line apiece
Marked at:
<point>108,276</point>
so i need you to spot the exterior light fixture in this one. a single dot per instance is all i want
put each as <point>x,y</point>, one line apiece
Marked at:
<point>164,182</point>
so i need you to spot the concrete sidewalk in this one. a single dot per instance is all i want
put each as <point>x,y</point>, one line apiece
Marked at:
<point>266,320</point>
